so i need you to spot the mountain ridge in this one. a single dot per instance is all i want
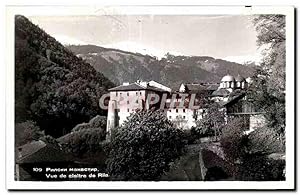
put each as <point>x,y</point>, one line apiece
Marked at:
<point>123,66</point>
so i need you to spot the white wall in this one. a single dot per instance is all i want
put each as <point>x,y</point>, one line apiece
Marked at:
<point>183,119</point>
<point>256,121</point>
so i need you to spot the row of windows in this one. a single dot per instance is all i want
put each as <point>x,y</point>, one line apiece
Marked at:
<point>177,117</point>
<point>183,110</point>
<point>232,84</point>
<point>128,110</point>
<point>136,93</point>
<point>136,101</point>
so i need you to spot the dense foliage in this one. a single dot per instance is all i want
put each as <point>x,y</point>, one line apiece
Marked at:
<point>232,140</point>
<point>212,122</point>
<point>26,132</point>
<point>53,87</point>
<point>268,87</point>
<point>264,141</point>
<point>249,154</point>
<point>143,147</point>
<point>86,139</point>
<point>258,167</point>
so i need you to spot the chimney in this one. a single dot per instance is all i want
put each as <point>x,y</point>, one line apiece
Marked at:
<point>125,83</point>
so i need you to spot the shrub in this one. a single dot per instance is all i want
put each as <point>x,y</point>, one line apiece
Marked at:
<point>265,140</point>
<point>86,139</point>
<point>212,122</point>
<point>233,140</point>
<point>26,132</point>
<point>143,147</point>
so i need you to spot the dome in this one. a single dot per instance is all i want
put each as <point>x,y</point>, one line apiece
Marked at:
<point>228,78</point>
<point>239,78</point>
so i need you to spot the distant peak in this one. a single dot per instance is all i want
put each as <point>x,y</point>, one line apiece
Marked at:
<point>134,47</point>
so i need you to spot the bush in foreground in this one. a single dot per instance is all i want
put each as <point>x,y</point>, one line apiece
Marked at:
<point>144,147</point>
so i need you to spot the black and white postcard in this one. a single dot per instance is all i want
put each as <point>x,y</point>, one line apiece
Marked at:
<point>150,97</point>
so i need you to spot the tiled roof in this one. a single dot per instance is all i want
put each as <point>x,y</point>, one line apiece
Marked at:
<point>221,92</point>
<point>233,98</point>
<point>129,87</point>
<point>200,87</point>
<point>39,151</point>
<point>212,87</point>
<point>195,87</point>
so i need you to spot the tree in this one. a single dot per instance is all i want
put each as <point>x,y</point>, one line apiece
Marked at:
<point>234,144</point>
<point>232,140</point>
<point>212,122</point>
<point>268,86</point>
<point>248,154</point>
<point>26,132</point>
<point>96,122</point>
<point>264,141</point>
<point>86,139</point>
<point>143,147</point>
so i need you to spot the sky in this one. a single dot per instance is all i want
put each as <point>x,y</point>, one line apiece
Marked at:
<point>231,37</point>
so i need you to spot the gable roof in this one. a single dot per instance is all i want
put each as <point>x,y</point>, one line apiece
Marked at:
<point>195,87</point>
<point>39,151</point>
<point>130,87</point>
<point>234,98</point>
<point>221,92</point>
<point>212,87</point>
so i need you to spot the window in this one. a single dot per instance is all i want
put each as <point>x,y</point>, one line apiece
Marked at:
<point>183,110</point>
<point>137,101</point>
<point>117,94</point>
<point>128,102</point>
<point>183,117</point>
<point>140,93</point>
<point>127,93</point>
<point>120,94</point>
<point>170,117</point>
<point>128,110</point>
<point>176,110</point>
<point>136,93</point>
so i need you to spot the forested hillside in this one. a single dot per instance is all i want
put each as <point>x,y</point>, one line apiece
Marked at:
<point>53,87</point>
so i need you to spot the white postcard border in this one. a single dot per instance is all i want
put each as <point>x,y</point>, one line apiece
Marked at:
<point>166,10</point>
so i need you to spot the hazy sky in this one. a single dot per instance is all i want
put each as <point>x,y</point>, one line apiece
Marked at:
<point>216,36</point>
